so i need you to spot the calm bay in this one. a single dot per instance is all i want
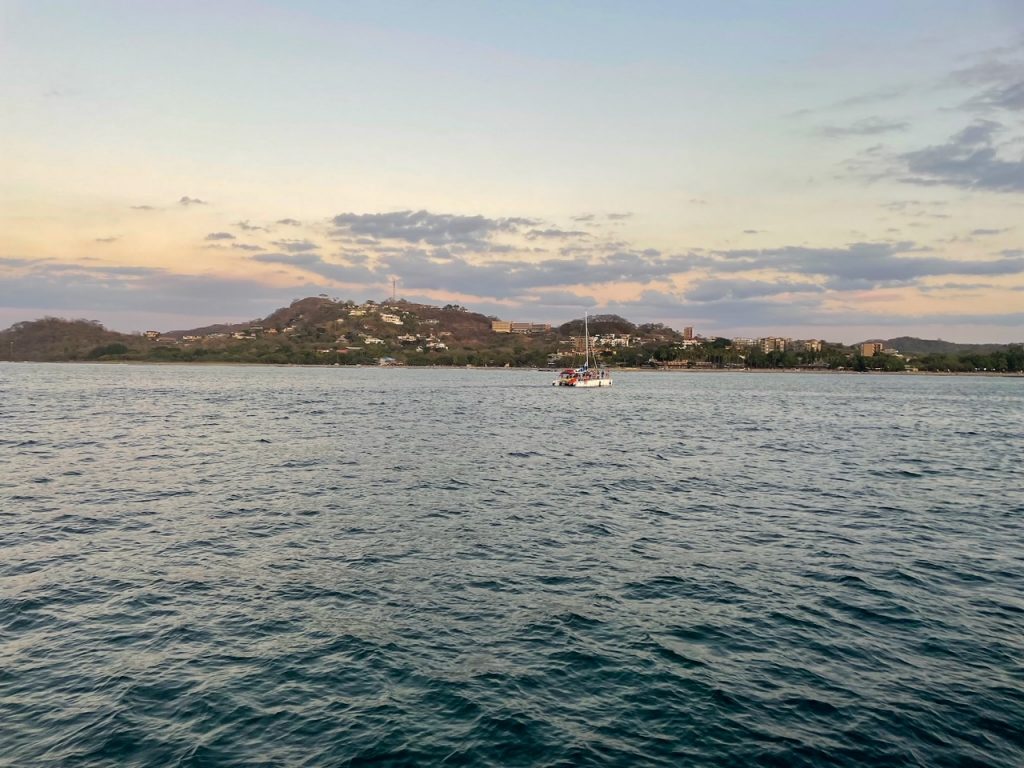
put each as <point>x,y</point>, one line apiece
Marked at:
<point>260,566</point>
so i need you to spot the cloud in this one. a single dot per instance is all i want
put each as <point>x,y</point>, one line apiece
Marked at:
<point>562,234</point>
<point>60,287</point>
<point>801,311</point>
<point>618,216</point>
<point>245,226</point>
<point>186,201</point>
<point>289,259</point>
<point>111,239</point>
<point>859,265</point>
<point>547,290</point>
<point>219,236</point>
<point>11,262</point>
<point>143,208</point>
<point>869,126</point>
<point>969,160</point>
<point>1002,82</point>
<point>871,97</point>
<point>440,269</point>
<point>560,299</point>
<point>1009,97</point>
<point>289,222</point>
<point>424,227</point>
<point>718,289</point>
<point>752,231</point>
<point>800,269</point>
<point>295,246</point>
<point>986,232</point>
<point>583,218</point>
<point>247,247</point>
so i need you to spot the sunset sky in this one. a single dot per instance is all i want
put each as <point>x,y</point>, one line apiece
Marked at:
<point>841,170</point>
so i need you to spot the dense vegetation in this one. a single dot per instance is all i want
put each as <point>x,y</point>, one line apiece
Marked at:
<point>324,331</point>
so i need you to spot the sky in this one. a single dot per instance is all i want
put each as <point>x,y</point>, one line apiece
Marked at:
<point>838,170</point>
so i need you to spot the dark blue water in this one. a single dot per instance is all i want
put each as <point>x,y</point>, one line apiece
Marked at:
<point>217,566</point>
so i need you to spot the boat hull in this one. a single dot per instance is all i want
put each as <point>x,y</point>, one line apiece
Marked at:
<point>606,382</point>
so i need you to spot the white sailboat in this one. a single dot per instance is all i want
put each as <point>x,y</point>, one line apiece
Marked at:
<point>585,375</point>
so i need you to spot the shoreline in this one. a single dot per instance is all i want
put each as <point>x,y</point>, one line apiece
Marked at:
<point>996,374</point>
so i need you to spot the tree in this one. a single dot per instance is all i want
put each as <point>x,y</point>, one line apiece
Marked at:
<point>108,350</point>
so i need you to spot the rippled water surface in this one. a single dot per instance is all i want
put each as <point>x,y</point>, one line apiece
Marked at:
<point>249,566</point>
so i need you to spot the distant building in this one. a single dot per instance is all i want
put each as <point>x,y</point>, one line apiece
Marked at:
<point>152,334</point>
<point>389,318</point>
<point>740,341</point>
<point>579,344</point>
<point>774,344</point>
<point>808,345</point>
<point>611,340</point>
<point>688,332</point>
<point>503,326</point>
<point>871,348</point>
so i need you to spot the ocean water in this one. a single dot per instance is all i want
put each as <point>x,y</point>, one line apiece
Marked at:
<point>258,566</point>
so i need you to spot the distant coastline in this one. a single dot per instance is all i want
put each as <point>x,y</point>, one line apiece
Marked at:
<point>645,370</point>
<point>320,331</point>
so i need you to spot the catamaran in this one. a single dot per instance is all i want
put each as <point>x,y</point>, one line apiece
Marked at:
<point>585,375</point>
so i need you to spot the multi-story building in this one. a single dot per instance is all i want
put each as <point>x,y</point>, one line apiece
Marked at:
<point>688,332</point>
<point>610,340</point>
<point>871,348</point>
<point>579,344</point>
<point>503,326</point>
<point>808,345</point>
<point>774,344</point>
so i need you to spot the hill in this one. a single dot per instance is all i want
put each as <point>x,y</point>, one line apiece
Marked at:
<point>909,345</point>
<point>52,338</point>
<point>319,330</point>
<point>599,325</point>
<point>311,330</point>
